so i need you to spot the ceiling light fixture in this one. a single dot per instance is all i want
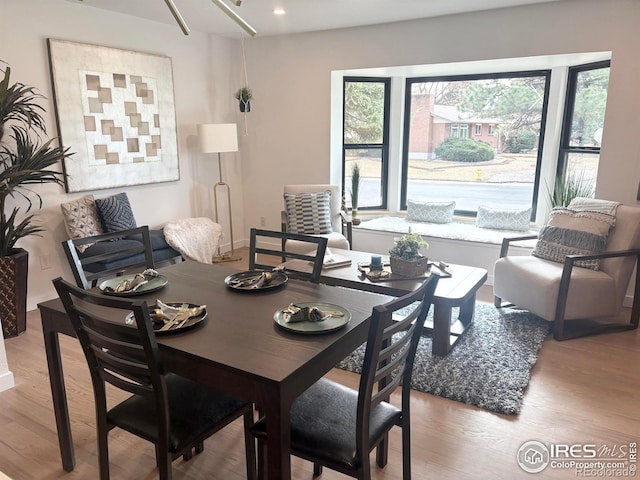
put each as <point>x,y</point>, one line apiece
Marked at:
<point>177,16</point>
<point>279,11</point>
<point>223,6</point>
<point>235,17</point>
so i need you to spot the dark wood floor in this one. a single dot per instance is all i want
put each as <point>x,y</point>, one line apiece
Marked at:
<point>581,391</point>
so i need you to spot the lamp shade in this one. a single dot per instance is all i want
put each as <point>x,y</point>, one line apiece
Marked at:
<point>218,137</point>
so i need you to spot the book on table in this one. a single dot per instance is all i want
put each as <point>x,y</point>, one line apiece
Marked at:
<point>334,260</point>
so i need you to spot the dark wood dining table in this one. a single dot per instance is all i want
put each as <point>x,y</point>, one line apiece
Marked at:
<point>456,291</point>
<point>238,348</point>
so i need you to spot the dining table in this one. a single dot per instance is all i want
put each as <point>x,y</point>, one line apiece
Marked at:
<point>457,288</point>
<point>238,348</point>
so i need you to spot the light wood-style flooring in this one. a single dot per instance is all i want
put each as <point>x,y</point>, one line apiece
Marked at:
<point>581,391</point>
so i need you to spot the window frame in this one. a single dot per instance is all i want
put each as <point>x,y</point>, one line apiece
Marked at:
<point>384,146</point>
<point>409,81</point>
<point>565,148</point>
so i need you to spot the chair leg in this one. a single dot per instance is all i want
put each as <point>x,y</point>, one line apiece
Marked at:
<point>199,447</point>
<point>317,469</point>
<point>249,445</point>
<point>262,458</point>
<point>382,451</point>
<point>497,302</point>
<point>103,454</point>
<point>164,464</point>
<point>406,451</point>
<point>188,455</point>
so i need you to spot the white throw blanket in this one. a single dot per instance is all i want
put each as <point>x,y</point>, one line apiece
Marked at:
<point>195,238</point>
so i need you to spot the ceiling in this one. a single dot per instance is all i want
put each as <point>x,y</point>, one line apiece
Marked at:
<point>301,16</point>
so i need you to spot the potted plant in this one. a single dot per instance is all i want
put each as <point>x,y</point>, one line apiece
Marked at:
<point>569,186</point>
<point>244,95</point>
<point>405,256</point>
<point>25,160</point>
<point>355,189</point>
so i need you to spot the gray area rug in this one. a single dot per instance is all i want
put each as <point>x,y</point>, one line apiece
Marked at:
<point>489,367</point>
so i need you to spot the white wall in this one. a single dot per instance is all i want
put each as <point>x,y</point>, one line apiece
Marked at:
<point>205,72</point>
<point>289,125</point>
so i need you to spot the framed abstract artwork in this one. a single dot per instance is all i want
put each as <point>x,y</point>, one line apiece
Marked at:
<point>115,110</point>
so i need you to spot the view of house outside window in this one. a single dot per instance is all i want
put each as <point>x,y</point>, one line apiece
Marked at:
<point>474,139</point>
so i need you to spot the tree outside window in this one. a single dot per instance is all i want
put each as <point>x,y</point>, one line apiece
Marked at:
<point>365,127</point>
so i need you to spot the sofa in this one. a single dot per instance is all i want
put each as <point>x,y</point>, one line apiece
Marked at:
<point>88,217</point>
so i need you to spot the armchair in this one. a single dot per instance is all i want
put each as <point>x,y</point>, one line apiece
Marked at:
<point>338,233</point>
<point>563,292</point>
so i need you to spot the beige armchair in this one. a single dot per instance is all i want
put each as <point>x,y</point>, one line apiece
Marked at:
<point>564,292</point>
<point>339,234</point>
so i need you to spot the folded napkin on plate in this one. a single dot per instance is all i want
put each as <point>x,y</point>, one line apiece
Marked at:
<point>169,312</point>
<point>131,285</point>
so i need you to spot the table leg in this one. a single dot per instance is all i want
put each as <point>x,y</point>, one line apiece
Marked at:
<point>441,330</point>
<point>58,393</point>
<point>278,438</point>
<point>467,311</point>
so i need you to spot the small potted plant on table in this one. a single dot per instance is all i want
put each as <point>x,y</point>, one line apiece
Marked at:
<point>355,190</point>
<point>405,256</point>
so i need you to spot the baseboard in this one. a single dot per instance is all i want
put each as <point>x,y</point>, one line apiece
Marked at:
<point>6,381</point>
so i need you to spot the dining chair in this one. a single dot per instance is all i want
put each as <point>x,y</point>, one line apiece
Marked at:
<point>338,427</point>
<point>315,248</point>
<point>108,254</point>
<point>172,412</point>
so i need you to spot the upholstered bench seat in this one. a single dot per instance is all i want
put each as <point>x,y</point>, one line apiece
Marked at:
<point>161,251</point>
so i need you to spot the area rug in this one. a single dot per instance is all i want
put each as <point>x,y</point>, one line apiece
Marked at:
<point>489,367</point>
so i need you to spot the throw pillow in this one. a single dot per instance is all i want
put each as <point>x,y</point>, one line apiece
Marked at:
<point>569,232</point>
<point>309,213</point>
<point>433,212</point>
<point>115,213</point>
<point>504,219</point>
<point>81,219</point>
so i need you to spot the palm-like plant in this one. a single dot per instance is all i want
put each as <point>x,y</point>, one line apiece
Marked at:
<point>568,186</point>
<point>25,159</point>
<point>355,186</point>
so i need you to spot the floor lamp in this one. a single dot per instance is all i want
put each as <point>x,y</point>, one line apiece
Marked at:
<point>219,138</point>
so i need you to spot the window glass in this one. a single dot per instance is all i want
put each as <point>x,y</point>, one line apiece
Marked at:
<point>499,166</point>
<point>365,129</point>
<point>370,162</point>
<point>583,125</point>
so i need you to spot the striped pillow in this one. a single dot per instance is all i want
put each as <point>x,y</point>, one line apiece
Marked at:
<point>309,213</point>
<point>574,233</point>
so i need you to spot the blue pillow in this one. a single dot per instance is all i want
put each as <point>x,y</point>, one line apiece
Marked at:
<point>115,213</point>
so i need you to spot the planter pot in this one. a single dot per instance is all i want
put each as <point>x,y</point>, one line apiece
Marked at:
<point>354,217</point>
<point>409,268</point>
<point>245,106</point>
<point>13,292</point>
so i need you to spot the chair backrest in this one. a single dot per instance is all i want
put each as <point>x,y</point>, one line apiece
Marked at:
<point>125,254</point>
<point>125,356</point>
<point>315,255</point>
<point>624,236</point>
<point>336,199</point>
<point>391,348</point>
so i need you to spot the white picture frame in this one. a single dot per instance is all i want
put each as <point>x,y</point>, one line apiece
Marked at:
<point>115,111</point>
